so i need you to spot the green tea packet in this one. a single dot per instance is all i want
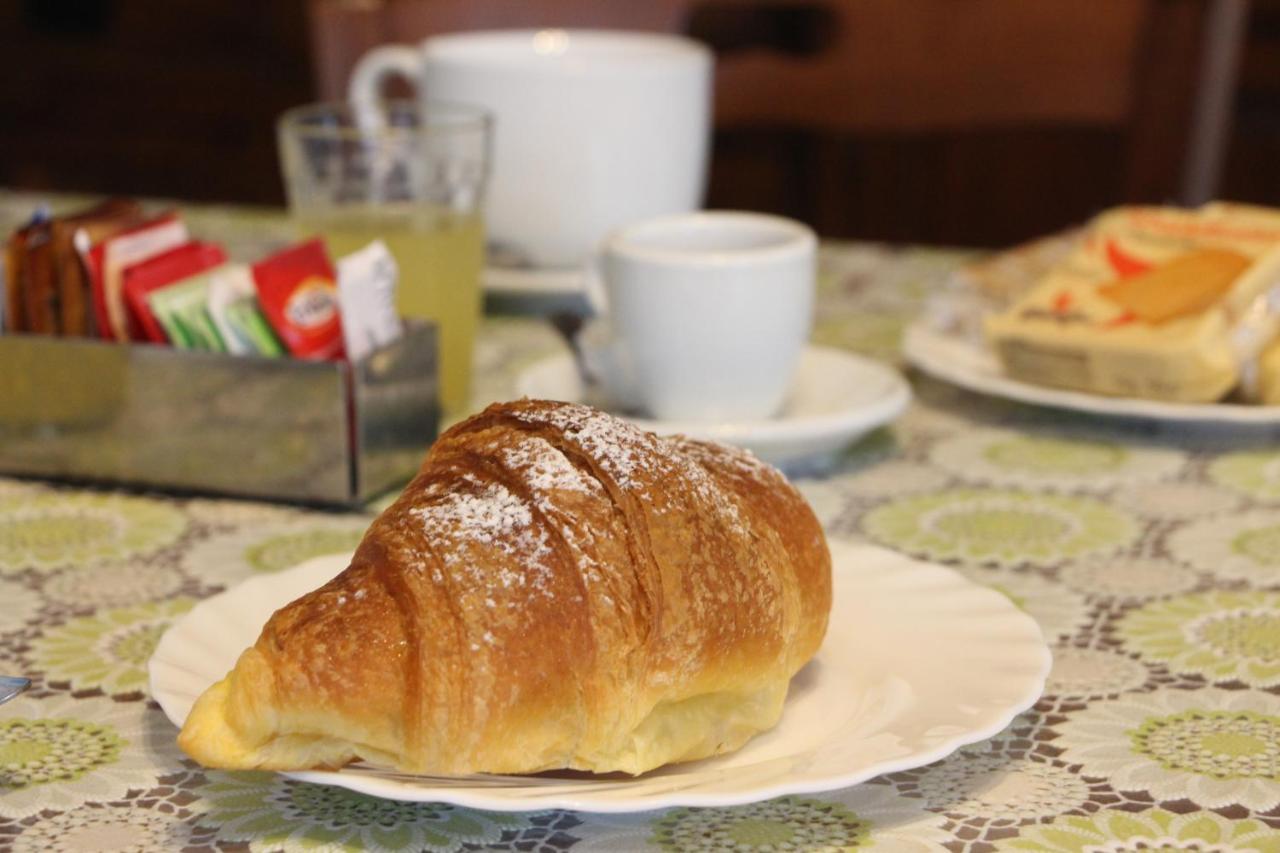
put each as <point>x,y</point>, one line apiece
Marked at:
<point>233,307</point>
<point>182,311</point>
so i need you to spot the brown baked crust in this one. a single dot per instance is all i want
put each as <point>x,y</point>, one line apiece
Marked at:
<point>554,589</point>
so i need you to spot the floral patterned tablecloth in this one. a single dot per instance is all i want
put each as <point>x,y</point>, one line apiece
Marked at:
<point>1150,558</point>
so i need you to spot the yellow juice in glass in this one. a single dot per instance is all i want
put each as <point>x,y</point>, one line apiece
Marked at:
<point>439,254</point>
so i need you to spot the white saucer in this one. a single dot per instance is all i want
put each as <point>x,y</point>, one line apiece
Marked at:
<point>917,662</point>
<point>837,398</point>
<point>511,281</point>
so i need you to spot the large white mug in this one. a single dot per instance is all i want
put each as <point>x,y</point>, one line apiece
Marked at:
<point>593,128</point>
<point>705,314</point>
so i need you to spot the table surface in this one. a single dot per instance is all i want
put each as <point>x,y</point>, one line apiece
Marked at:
<point>1151,559</point>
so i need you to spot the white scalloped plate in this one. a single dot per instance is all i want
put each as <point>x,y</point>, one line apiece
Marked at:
<point>918,662</point>
<point>975,368</point>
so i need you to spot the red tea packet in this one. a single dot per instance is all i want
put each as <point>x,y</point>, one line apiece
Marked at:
<point>108,260</point>
<point>162,270</point>
<point>298,293</point>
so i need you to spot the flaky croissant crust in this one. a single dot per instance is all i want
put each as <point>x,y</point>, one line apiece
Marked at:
<point>555,589</point>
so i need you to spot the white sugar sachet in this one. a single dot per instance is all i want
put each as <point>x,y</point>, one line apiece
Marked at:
<point>367,297</point>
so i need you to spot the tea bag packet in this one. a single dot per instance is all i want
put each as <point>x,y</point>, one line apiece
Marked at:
<point>367,298</point>
<point>108,260</point>
<point>182,311</point>
<point>298,293</point>
<point>1154,303</point>
<point>233,307</point>
<point>161,271</point>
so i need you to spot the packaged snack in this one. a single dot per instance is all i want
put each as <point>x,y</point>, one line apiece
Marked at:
<point>1155,303</point>
<point>16,274</point>
<point>233,306</point>
<point>32,291</point>
<point>75,302</point>
<point>183,313</point>
<point>299,296</point>
<point>367,298</point>
<point>161,271</point>
<point>46,284</point>
<point>108,260</point>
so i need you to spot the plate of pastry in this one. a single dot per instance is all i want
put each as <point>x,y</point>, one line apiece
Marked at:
<point>564,611</point>
<point>1155,313</point>
<point>837,398</point>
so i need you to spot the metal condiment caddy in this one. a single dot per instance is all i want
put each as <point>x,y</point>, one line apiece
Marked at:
<point>325,432</point>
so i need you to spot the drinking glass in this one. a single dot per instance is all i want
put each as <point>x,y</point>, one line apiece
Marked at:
<point>412,175</point>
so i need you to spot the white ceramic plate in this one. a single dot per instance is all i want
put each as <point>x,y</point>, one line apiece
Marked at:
<point>917,662</point>
<point>531,282</point>
<point>837,398</point>
<point>962,362</point>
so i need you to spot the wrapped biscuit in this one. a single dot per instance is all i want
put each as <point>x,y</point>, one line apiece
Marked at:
<point>1154,303</point>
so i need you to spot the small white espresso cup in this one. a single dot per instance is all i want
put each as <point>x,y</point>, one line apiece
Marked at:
<point>593,128</point>
<point>706,314</point>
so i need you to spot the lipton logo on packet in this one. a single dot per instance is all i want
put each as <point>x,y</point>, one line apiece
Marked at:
<point>312,304</point>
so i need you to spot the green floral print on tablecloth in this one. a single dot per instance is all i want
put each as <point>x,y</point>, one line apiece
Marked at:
<point>1253,472</point>
<point>108,650</point>
<point>1175,500</point>
<point>58,752</point>
<point>1059,613</point>
<point>231,557</point>
<point>1213,747</point>
<point>1144,832</point>
<point>112,585</point>
<point>787,823</point>
<point>1127,579</point>
<point>18,604</point>
<point>1000,788</point>
<point>65,529</point>
<point>1000,526</point>
<point>865,817</point>
<point>273,813</point>
<point>876,336</point>
<point>1221,635</point>
<point>1007,458</point>
<point>96,829</point>
<point>998,784</point>
<point>894,479</point>
<point>1245,546</point>
<point>225,511</point>
<point>1092,674</point>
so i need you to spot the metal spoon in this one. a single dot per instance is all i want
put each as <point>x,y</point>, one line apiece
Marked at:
<point>11,686</point>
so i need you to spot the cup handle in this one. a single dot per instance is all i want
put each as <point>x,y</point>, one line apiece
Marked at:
<point>593,286</point>
<point>373,69</point>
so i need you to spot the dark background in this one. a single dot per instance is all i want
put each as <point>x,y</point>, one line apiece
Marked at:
<point>179,98</point>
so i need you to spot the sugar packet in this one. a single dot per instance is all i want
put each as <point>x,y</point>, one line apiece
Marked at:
<point>367,299</point>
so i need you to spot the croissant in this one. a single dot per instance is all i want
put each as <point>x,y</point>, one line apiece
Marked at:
<point>555,589</point>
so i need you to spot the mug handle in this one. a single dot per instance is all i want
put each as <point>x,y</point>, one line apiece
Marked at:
<point>373,69</point>
<point>593,285</point>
